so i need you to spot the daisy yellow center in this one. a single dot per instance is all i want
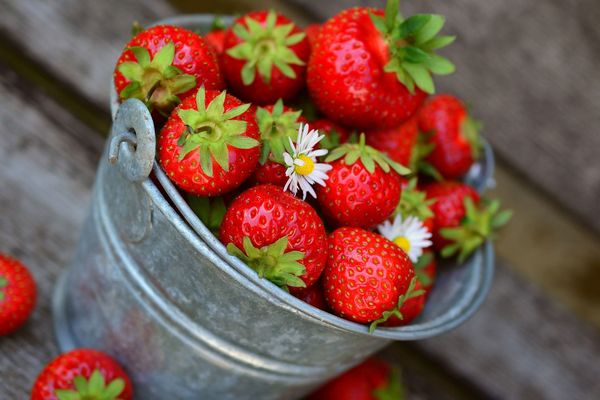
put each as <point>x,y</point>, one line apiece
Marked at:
<point>307,167</point>
<point>403,243</point>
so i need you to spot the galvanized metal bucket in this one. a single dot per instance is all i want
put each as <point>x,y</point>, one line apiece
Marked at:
<point>152,286</point>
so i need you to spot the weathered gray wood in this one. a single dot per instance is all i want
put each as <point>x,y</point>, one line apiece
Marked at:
<point>530,72</point>
<point>78,41</point>
<point>522,345</point>
<point>47,162</point>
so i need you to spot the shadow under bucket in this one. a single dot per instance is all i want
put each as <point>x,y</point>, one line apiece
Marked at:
<point>150,285</point>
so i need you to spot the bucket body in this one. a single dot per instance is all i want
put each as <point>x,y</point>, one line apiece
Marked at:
<point>152,287</point>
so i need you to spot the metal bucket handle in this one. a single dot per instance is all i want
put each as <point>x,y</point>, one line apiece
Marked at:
<point>133,142</point>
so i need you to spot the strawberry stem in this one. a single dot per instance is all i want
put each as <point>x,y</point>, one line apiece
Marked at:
<point>477,226</point>
<point>412,43</point>
<point>368,156</point>
<point>93,389</point>
<point>210,129</point>
<point>272,262</point>
<point>156,81</point>
<point>264,47</point>
<point>411,292</point>
<point>276,129</point>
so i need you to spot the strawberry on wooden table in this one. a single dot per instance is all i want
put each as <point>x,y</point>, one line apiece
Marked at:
<point>462,222</point>
<point>363,187</point>
<point>17,294</point>
<point>371,69</point>
<point>277,125</point>
<point>276,234</point>
<point>265,57</point>
<point>163,65</point>
<point>371,380</point>
<point>209,145</point>
<point>82,374</point>
<point>367,277</point>
<point>451,133</point>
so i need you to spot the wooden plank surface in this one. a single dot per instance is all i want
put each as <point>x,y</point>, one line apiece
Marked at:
<point>530,72</point>
<point>77,41</point>
<point>522,345</point>
<point>47,162</point>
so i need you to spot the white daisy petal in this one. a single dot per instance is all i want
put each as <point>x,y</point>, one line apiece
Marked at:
<point>304,148</point>
<point>411,230</point>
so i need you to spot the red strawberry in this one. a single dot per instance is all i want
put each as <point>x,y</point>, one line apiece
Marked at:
<point>371,70</point>
<point>277,125</point>
<point>426,269</point>
<point>163,65</point>
<point>366,277</point>
<point>335,135</point>
<point>265,57</point>
<point>17,294</point>
<point>216,37</point>
<point>312,31</point>
<point>410,309</point>
<point>276,234</point>
<point>461,223</point>
<point>314,296</point>
<point>371,380</point>
<point>448,207</point>
<point>399,143</point>
<point>363,188</point>
<point>270,172</point>
<point>209,144</point>
<point>82,374</point>
<point>414,202</point>
<point>452,134</point>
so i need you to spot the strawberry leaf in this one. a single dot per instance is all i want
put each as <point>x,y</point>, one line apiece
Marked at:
<point>410,293</point>
<point>272,262</point>
<point>265,47</point>
<point>412,42</point>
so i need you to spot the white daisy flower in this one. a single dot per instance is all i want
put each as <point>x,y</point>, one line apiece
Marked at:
<point>303,169</point>
<point>409,234</point>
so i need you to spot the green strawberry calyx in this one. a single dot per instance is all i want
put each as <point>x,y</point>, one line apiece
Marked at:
<point>156,81</point>
<point>477,226</point>
<point>412,43</point>
<point>368,156</point>
<point>3,284</point>
<point>421,150</point>
<point>272,262</point>
<point>210,129</point>
<point>393,389</point>
<point>265,47</point>
<point>93,389</point>
<point>410,293</point>
<point>217,24</point>
<point>470,130</point>
<point>414,202</point>
<point>210,210</point>
<point>276,129</point>
<point>422,262</point>
<point>331,140</point>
